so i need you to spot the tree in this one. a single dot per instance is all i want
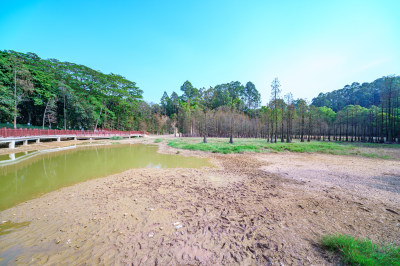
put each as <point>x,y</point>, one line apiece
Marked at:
<point>205,104</point>
<point>165,103</point>
<point>22,82</point>
<point>275,92</point>
<point>387,95</point>
<point>289,116</point>
<point>189,92</point>
<point>303,107</point>
<point>251,97</point>
<point>6,94</point>
<point>328,116</point>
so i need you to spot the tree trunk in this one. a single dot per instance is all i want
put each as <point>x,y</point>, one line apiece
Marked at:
<point>347,125</point>
<point>302,128</point>
<point>231,137</point>
<point>282,139</point>
<point>205,128</point>
<point>44,114</point>
<point>97,121</point>
<point>65,114</point>
<point>48,117</point>
<point>15,96</point>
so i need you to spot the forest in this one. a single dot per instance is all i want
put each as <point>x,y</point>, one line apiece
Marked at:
<point>63,95</point>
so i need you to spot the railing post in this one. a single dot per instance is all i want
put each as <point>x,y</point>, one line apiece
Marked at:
<point>12,145</point>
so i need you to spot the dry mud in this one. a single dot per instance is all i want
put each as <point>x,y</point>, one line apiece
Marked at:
<point>251,209</point>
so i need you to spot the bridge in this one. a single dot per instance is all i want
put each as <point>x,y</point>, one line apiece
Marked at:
<point>12,136</point>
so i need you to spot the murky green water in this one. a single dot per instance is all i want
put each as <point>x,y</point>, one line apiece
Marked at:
<point>46,172</point>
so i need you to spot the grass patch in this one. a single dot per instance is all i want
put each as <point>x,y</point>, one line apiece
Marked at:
<point>158,140</point>
<point>221,145</point>
<point>356,251</point>
<point>370,145</point>
<point>116,138</point>
<point>256,145</point>
<point>374,155</point>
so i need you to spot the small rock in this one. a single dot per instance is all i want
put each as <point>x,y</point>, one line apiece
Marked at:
<point>161,228</point>
<point>151,234</point>
<point>3,222</point>
<point>178,226</point>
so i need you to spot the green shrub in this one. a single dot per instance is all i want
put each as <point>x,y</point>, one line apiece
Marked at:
<point>116,138</point>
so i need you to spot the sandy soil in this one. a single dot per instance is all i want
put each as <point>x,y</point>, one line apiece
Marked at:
<point>269,209</point>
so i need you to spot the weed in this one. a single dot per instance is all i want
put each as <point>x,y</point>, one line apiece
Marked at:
<point>356,251</point>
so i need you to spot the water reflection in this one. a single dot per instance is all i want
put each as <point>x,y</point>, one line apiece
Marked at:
<point>10,158</point>
<point>46,172</point>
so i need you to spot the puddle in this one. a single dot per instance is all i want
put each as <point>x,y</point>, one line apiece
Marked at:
<point>7,227</point>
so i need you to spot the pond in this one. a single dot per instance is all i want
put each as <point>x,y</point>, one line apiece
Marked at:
<point>30,177</point>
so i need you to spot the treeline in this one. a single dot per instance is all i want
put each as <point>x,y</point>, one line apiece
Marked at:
<point>233,110</point>
<point>365,95</point>
<point>61,95</point>
<point>65,95</point>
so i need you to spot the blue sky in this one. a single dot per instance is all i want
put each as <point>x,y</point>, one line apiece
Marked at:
<point>311,46</point>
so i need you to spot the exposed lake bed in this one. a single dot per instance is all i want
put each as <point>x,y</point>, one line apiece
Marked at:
<point>246,210</point>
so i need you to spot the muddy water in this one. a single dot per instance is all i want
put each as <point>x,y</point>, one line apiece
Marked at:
<point>43,173</point>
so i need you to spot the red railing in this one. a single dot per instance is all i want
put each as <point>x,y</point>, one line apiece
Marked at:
<point>27,132</point>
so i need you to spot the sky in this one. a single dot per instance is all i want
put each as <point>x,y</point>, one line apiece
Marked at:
<point>310,46</point>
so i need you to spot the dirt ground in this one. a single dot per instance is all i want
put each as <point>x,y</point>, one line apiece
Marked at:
<point>251,209</point>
